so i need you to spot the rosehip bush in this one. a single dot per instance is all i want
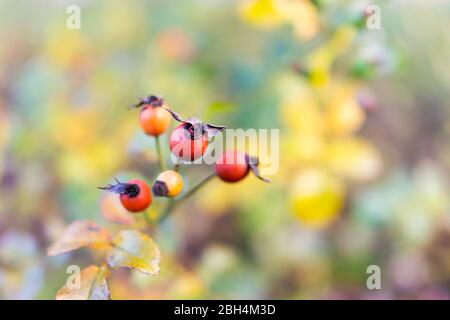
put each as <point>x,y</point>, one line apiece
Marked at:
<point>134,249</point>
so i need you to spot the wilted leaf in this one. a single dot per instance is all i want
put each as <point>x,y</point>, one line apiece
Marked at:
<point>92,286</point>
<point>135,250</point>
<point>80,234</point>
<point>113,211</point>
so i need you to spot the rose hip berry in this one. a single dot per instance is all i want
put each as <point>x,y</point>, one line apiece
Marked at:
<point>187,147</point>
<point>234,166</point>
<point>135,195</point>
<point>168,184</point>
<point>190,139</point>
<point>153,118</point>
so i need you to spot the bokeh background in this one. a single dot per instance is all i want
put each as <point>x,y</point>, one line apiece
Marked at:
<point>364,144</point>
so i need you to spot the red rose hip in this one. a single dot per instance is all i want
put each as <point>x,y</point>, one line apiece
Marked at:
<point>185,145</point>
<point>135,195</point>
<point>233,166</point>
<point>190,139</point>
<point>153,118</point>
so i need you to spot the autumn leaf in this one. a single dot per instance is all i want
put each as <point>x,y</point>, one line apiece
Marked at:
<point>80,234</point>
<point>92,286</point>
<point>135,250</point>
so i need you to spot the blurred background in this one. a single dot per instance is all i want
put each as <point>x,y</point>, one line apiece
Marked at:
<point>364,144</point>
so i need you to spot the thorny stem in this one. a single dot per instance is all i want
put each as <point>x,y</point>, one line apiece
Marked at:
<point>174,202</point>
<point>162,166</point>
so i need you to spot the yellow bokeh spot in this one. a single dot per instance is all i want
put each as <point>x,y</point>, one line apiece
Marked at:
<point>220,196</point>
<point>302,114</point>
<point>67,48</point>
<point>318,77</point>
<point>303,147</point>
<point>93,163</point>
<point>316,198</point>
<point>264,13</point>
<point>119,20</point>
<point>354,158</point>
<point>303,16</point>
<point>74,129</point>
<point>344,114</point>
<point>187,285</point>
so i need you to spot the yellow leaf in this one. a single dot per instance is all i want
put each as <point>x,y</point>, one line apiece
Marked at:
<point>92,286</point>
<point>354,158</point>
<point>135,250</point>
<point>316,198</point>
<point>80,234</point>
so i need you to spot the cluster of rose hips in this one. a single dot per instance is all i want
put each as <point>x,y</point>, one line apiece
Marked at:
<point>188,142</point>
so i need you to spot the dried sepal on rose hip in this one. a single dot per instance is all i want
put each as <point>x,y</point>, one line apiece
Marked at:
<point>234,166</point>
<point>135,195</point>
<point>190,139</point>
<point>168,184</point>
<point>153,118</point>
